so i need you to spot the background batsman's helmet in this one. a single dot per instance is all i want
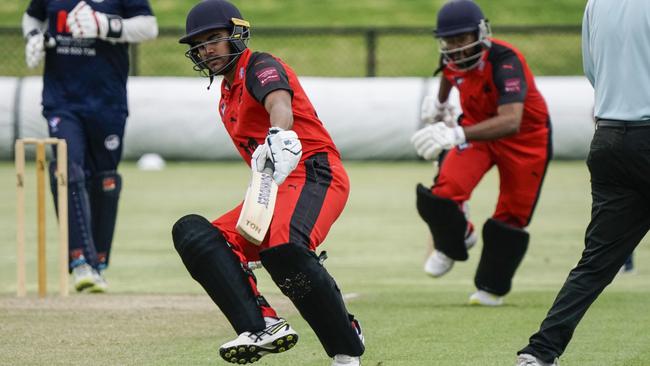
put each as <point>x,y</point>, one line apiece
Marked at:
<point>458,17</point>
<point>209,15</point>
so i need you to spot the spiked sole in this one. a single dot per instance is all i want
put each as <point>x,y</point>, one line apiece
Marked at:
<point>250,353</point>
<point>83,284</point>
<point>97,289</point>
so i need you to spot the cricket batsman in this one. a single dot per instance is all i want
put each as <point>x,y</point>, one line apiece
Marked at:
<point>504,123</point>
<point>85,47</point>
<point>267,114</point>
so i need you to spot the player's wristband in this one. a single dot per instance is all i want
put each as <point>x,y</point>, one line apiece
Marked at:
<point>274,130</point>
<point>459,135</point>
<point>32,33</point>
<point>114,26</point>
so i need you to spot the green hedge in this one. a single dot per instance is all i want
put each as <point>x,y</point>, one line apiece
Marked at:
<point>338,51</point>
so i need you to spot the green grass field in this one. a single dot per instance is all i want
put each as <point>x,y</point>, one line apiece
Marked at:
<point>156,315</point>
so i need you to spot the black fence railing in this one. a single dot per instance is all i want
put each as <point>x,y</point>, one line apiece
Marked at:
<point>338,51</point>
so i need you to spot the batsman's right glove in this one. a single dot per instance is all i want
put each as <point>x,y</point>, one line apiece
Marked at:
<point>431,140</point>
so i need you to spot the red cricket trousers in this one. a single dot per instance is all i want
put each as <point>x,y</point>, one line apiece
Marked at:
<point>308,203</point>
<point>522,161</point>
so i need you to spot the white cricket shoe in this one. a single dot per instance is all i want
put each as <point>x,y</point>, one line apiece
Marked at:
<point>100,286</point>
<point>526,359</point>
<point>83,276</point>
<point>438,263</point>
<point>470,237</point>
<point>485,298</point>
<point>249,347</point>
<point>345,360</point>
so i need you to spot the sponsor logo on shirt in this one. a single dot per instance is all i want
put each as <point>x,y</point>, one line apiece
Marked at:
<point>112,142</point>
<point>267,75</point>
<point>512,85</point>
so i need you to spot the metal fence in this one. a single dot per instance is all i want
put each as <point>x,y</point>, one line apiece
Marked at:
<point>343,52</point>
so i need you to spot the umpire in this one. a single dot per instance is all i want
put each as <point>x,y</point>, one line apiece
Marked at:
<point>616,55</point>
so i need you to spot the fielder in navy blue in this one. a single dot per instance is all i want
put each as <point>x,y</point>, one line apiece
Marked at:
<point>85,47</point>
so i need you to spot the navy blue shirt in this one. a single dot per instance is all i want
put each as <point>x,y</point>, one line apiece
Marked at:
<point>85,74</point>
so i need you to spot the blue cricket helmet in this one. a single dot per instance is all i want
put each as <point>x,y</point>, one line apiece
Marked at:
<point>458,17</point>
<point>210,15</point>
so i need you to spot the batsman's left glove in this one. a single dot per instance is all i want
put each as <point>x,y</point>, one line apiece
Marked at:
<point>433,111</point>
<point>259,158</point>
<point>84,22</point>
<point>431,140</point>
<point>285,150</point>
<point>34,49</point>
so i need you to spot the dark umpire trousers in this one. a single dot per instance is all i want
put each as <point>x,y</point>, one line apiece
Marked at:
<point>619,163</point>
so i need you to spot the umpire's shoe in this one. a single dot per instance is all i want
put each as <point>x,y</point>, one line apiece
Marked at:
<point>526,359</point>
<point>278,336</point>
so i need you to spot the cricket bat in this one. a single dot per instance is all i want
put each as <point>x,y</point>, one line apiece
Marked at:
<point>257,211</point>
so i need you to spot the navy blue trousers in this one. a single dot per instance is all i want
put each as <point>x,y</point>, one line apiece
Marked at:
<point>95,141</point>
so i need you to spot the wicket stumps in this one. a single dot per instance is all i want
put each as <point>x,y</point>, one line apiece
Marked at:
<point>62,191</point>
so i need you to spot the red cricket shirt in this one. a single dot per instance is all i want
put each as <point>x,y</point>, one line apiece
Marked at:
<point>247,121</point>
<point>502,77</point>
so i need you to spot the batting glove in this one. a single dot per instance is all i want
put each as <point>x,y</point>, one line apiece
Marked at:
<point>433,111</point>
<point>84,22</point>
<point>285,151</point>
<point>34,49</point>
<point>431,140</point>
<point>259,158</point>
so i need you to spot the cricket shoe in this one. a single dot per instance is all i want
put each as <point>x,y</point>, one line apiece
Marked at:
<point>249,347</point>
<point>100,285</point>
<point>345,360</point>
<point>526,359</point>
<point>438,263</point>
<point>83,276</point>
<point>485,298</point>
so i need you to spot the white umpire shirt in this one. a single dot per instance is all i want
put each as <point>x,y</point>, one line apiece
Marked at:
<point>616,57</point>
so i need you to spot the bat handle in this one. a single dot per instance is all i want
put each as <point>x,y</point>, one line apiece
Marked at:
<point>268,167</point>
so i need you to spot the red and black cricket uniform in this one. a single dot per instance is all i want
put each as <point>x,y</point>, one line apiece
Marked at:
<point>501,77</point>
<point>315,193</point>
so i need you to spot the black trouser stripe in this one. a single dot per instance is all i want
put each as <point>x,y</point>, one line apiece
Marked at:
<point>549,157</point>
<point>312,196</point>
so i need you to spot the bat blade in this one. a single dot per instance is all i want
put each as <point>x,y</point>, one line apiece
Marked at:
<point>257,211</point>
